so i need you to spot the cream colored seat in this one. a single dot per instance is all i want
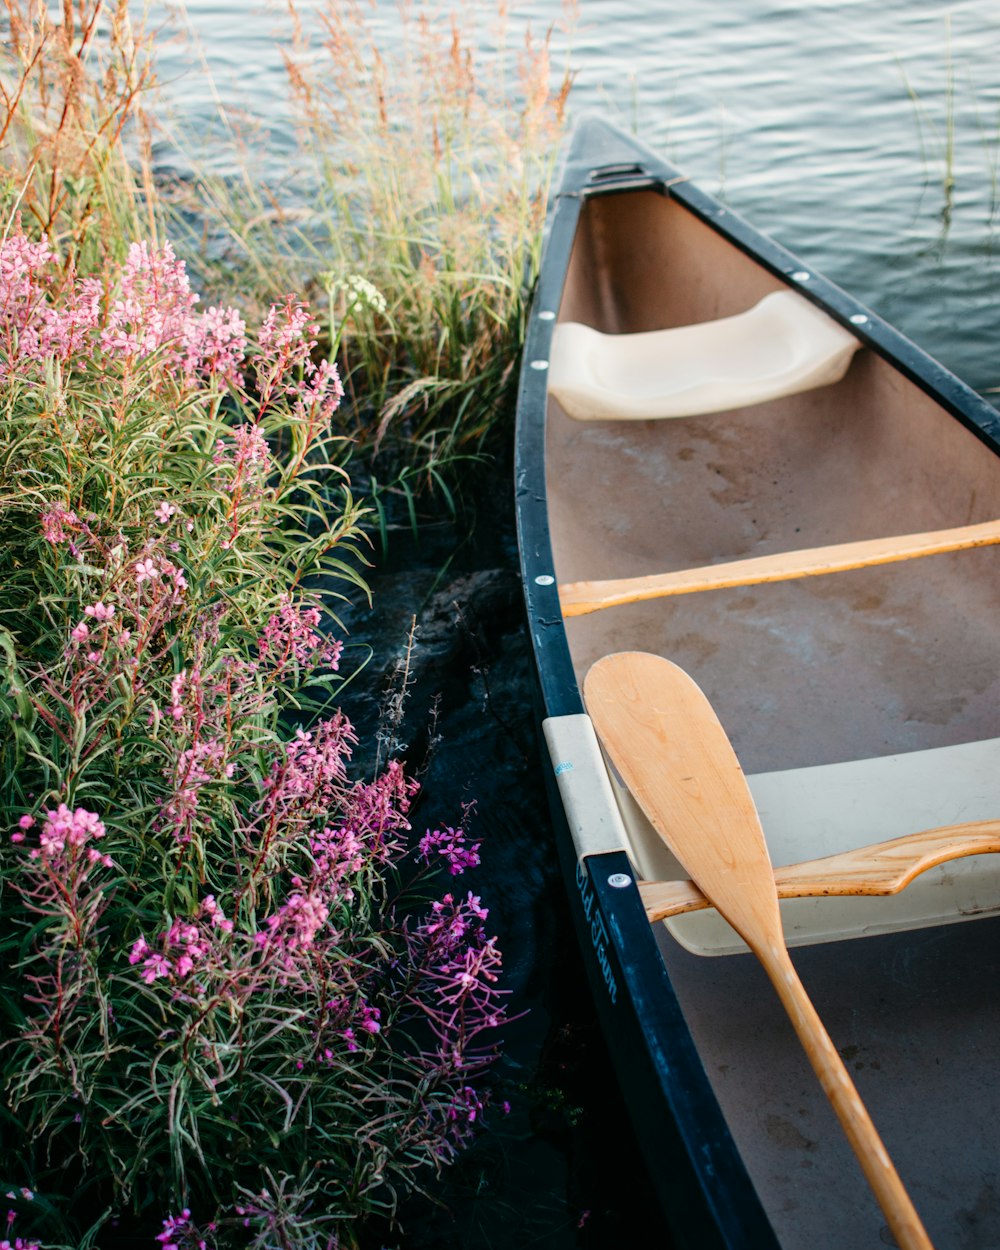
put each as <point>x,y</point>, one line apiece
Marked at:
<point>807,813</point>
<point>810,812</point>
<point>782,345</point>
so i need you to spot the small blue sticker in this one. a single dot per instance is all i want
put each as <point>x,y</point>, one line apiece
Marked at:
<point>565,767</point>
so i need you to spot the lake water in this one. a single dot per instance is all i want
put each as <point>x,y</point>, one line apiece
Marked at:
<point>833,126</point>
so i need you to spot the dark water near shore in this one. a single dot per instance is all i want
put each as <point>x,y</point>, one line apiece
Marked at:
<point>863,135</point>
<point>561,1170</point>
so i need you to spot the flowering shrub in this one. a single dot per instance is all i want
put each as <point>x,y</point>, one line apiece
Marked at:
<point>234,1012</point>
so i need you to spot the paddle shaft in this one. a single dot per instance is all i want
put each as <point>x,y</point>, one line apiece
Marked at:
<point>857,1124</point>
<point>580,598</point>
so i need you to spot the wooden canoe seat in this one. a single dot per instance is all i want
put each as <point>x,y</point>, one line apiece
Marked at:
<point>579,598</point>
<point>781,346</point>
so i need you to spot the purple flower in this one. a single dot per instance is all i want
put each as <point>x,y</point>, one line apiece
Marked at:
<point>450,844</point>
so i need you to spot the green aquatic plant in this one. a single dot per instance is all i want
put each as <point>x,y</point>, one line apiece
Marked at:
<point>945,127</point>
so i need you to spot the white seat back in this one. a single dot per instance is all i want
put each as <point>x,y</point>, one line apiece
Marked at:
<point>782,345</point>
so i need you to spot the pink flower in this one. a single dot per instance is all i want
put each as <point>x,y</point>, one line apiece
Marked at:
<point>54,521</point>
<point>19,1243</point>
<point>288,329</point>
<point>369,1019</point>
<point>450,844</point>
<point>146,570</point>
<point>99,611</point>
<point>177,575</point>
<point>214,914</point>
<point>177,688</point>
<point>291,636</point>
<point>320,396</point>
<point>180,1227</point>
<point>81,633</point>
<point>64,829</point>
<point>297,922</point>
<point>247,460</point>
<point>20,260</point>
<point>216,344</point>
<point>467,1105</point>
<point>164,512</point>
<point>154,967</point>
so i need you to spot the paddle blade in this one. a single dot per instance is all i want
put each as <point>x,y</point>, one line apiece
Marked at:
<point>665,741</point>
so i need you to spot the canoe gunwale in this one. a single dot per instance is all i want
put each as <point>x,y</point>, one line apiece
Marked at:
<point>954,395</point>
<point>707,1195</point>
<point>696,1170</point>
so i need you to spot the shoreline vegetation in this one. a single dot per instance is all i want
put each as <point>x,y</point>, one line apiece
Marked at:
<point>244,1002</point>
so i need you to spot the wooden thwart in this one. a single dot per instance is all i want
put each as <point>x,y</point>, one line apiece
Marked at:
<point>579,598</point>
<point>880,869</point>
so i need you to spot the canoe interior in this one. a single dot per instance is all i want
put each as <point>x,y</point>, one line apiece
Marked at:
<point>810,672</point>
<point>858,665</point>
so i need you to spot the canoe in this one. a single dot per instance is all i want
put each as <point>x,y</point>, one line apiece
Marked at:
<point>726,463</point>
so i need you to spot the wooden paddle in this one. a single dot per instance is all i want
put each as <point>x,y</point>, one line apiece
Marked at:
<point>666,742</point>
<point>882,868</point>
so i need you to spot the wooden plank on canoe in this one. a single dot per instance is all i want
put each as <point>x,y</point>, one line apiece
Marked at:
<point>579,598</point>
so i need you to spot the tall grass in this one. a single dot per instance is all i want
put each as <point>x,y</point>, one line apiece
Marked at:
<point>74,137</point>
<point>435,162</point>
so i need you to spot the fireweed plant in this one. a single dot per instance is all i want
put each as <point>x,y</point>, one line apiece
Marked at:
<point>240,1004</point>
